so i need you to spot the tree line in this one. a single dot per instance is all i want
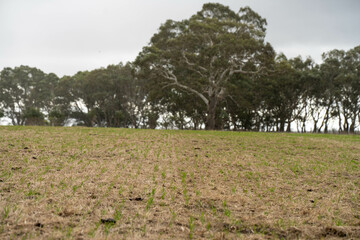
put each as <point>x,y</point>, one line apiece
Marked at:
<point>212,71</point>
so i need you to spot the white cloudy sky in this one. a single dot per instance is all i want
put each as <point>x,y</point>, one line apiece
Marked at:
<point>66,36</point>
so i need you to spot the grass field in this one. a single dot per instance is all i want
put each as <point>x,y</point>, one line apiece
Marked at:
<point>96,183</point>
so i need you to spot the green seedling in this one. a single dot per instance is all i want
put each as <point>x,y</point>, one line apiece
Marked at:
<point>191,227</point>
<point>150,200</point>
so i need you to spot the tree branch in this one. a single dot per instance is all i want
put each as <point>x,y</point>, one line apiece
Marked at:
<point>245,72</point>
<point>193,64</point>
<point>234,101</point>
<point>212,61</point>
<point>222,76</point>
<point>171,76</point>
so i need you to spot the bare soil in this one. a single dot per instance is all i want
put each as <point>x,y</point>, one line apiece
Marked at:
<point>96,183</point>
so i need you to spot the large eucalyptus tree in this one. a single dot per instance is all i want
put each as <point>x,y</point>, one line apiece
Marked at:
<point>201,54</point>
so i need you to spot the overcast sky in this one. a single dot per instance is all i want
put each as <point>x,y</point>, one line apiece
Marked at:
<point>66,36</point>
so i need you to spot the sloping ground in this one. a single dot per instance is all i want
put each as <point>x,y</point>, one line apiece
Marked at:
<point>88,183</point>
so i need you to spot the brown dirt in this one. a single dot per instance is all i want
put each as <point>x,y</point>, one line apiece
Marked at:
<point>60,183</point>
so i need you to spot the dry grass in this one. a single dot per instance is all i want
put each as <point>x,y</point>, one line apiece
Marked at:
<point>82,183</point>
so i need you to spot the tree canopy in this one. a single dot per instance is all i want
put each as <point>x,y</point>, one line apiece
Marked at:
<point>200,55</point>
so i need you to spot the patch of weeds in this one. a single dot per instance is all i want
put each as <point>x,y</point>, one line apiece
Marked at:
<point>202,218</point>
<point>143,230</point>
<point>107,227</point>
<point>213,208</point>
<point>92,232</point>
<point>173,216</point>
<point>69,231</point>
<point>74,188</point>
<point>191,227</point>
<point>280,223</point>
<point>163,193</point>
<point>226,209</point>
<point>5,213</point>
<point>120,191</point>
<point>354,165</point>
<point>197,192</point>
<point>186,196</point>
<point>27,236</point>
<point>103,212</point>
<point>192,175</point>
<point>150,200</point>
<point>62,185</point>
<point>6,174</point>
<point>111,186</point>
<point>208,226</point>
<point>183,177</point>
<point>118,211</point>
<point>338,222</point>
<point>252,176</point>
<point>340,197</point>
<point>296,169</point>
<point>46,169</point>
<point>32,194</point>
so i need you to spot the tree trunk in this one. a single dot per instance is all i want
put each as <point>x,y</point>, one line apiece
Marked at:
<point>211,114</point>
<point>13,121</point>
<point>340,123</point>
<point>234,123</point>
<point>315,130</point>
<point>352,127</point>
<point>303,128</point>
<point>346,123</point>
<point>326,119</point>
<point>326,127</point>
<point>288,129</point>
<point>353,123</point>
<point>282,125</point>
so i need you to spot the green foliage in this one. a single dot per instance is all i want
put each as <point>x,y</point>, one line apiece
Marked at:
<point>110,97</point>
<point>33,116</point>
<point>340,71</point>
<point>56,118</point>
<point>199,56</point>
<point>25,89</point>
